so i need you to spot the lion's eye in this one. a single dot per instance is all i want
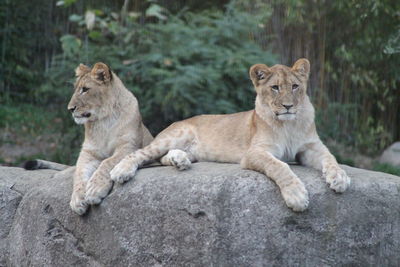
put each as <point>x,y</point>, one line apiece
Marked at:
<point>275,87</point>
<point>295,86</point>
<point>84,89</point>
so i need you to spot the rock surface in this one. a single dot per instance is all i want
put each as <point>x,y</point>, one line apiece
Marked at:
<point>211,215</point>
<point>391,155</point>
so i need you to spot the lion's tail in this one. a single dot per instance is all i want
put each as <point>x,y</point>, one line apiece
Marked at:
<point>44,164</point>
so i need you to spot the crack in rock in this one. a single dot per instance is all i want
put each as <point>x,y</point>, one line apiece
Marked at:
<point>58,233</point>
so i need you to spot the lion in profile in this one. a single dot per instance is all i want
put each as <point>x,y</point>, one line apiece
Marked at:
<point>280,129</point>
<point>113,129</point>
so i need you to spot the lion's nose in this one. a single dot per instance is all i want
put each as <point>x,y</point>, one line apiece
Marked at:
<point>72,109</point>
<point>287,106</point>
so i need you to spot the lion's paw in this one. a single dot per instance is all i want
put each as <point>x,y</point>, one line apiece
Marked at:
<point>295,196</point>
<point>78,203</point>
<point>179,159</point>
<point>337,179</point>
<point>123,171</point>
<point>97,189</point>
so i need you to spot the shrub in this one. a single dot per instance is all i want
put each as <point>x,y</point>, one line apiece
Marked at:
<point>176,65</point>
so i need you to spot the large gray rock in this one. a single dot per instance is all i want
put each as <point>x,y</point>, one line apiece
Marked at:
<point>14,183</point>
<point>9,201</point>
<point>391,155</point>
<point>211,215</point>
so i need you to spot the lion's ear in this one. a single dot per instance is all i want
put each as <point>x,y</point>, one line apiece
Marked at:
<point>101,72</point>
<point>302,66</point>
<point>81,70</point>
<point>259,72</point>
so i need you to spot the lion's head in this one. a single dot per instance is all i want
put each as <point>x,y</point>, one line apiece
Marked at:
<point>280,88</point>
<point>93,93</point>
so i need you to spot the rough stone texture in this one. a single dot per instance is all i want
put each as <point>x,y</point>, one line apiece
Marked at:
<point>14,183</point>
<point>9,201</point>
<point>391,155</point>
<point>211,215</point>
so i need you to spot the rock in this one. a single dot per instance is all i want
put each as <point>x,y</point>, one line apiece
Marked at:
<point>14,183</point>
<point>391,155</point>
<point>211,215</point>
<point>9,201</point>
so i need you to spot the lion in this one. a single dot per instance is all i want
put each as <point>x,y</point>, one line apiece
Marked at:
<point>280,129</point>
<point>113,129</point>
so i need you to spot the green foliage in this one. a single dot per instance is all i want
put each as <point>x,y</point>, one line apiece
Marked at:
<point>328,119</point>
<point>17,69</point>
<point>29,38</point>
<point>24,123</point>
<point>387,168</point>
<point>65,3</point>
<point>178,66</point>
<point>393,44</point>
<point>353,48</point>
<point>70,45</point>
<point>22,115</point>
<point>369,77</point>
<point>344,160</point>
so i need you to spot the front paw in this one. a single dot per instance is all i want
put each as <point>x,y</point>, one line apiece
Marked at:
<point>97,188</point>
<point>179,159</point>
<point>337,179</point>
<point>295,196</point>
<point>78,203</point>
<point>124,170</point>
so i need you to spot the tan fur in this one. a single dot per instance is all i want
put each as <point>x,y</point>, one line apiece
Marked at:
<point>280,128</point>
<point>113,129</point>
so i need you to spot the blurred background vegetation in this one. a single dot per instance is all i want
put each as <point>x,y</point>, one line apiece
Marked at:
<point>182,58</point>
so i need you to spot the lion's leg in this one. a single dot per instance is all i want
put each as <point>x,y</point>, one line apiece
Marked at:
<point>100,184</point>
<point>85,167</point>
<point>171,139</point>
<point>292,188</point>
<point>318,156</point>
<point>178,158</point>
